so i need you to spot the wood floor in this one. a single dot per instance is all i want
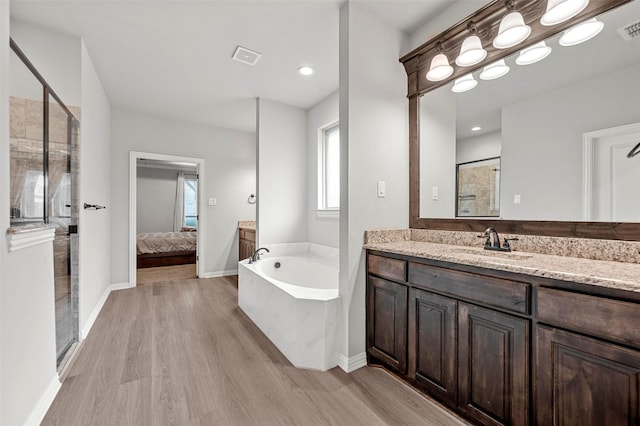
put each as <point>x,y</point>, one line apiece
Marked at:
<point>183,353</point>
<point>165,273</point>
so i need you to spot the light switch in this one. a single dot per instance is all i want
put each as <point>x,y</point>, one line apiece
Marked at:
<point>516,199</point>
<point>213,202</point>
<point>434,193</point>
<point>382,189</point>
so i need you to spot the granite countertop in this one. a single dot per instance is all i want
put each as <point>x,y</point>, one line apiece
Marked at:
<point>247,224</point>
<point>619,275</point>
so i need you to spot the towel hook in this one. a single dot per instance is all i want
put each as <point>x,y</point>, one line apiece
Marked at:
<point>252,199</point>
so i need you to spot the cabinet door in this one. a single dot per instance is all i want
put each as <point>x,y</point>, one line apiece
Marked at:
<point>387,322</point>
<point>583,381</point>
<point>432,343</point>
<point>493,366</point>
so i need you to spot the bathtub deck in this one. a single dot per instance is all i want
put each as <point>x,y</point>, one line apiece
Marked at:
<point>182,353</point>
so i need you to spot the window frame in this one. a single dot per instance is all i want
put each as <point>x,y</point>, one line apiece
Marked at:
<point>323,209</point>
<point>189,178</point>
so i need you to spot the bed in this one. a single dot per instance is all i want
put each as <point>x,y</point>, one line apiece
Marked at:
<point>166,248</point>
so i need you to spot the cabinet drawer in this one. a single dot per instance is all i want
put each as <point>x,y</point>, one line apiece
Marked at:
<point>501,293</point>
<point>596,315</point>
<point>388,268</point>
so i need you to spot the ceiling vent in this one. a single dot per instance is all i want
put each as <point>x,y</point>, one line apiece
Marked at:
<point>246,56</point>
<point>631,31</point>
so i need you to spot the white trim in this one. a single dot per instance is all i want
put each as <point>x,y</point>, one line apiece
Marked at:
<point>216,274</point>
<point>589,141</point>
<point>328,214</point>
<point>352,364</point>
<point>96,311</point>
<point>46,399</point>
<point>26,239</point>
<point>133,175</point>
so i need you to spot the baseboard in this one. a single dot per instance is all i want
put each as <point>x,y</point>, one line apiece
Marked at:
<point>43,404</point>
<point>217,274</point>
<point>94,314</point>
<point>353,363</point>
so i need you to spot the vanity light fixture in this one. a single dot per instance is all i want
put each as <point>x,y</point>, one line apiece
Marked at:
<point>464,83</point>
<point>533,54</point>
<point>494,70</point>
<point>440,68</point>
<point>582,32</point>
<point>512,29</point>
<point>559,11</point>
<point>305,70</point>
<point>471,51</point>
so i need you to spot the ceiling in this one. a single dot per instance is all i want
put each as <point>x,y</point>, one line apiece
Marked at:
<point>173,58</point>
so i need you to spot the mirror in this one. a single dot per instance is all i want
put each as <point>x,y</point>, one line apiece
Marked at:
<point>562,128</point>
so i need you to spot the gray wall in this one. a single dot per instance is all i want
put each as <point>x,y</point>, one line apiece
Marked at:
<point>374,146</point>
<point>320,230</point>
<point>156,195</point>
<point>230,176</point>
<point>282,173</point>
<point>479,147</point>
<point>542,143</point>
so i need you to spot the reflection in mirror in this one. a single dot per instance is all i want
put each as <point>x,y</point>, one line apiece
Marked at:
<point>557,125</point>
<point>478,191</point>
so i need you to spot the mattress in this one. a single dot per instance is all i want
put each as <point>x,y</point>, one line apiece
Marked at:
<point>166,242</point>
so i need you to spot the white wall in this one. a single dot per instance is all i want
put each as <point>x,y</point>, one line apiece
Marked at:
<point>56,56</point>
<point>374,146</point>
<point>438,153</point>
<point>156,199</point>
<point>320,230</point>
<point>95,169</point>
<point>542,143</point>
<point>230,161</point>
<point>4,181</point>
<point>282,173</point>
<point>474,148</point>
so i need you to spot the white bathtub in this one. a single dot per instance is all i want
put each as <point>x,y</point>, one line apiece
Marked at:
<point>295,304</point>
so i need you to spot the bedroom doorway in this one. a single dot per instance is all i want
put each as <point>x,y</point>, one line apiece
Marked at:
<point>165,221</point>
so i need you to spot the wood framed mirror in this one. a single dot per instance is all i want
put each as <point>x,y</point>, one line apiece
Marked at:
<point>485,23</point>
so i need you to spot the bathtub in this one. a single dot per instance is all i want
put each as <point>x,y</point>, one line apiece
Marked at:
<point>291,294</point>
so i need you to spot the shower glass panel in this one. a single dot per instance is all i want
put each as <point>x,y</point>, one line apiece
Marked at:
<point>27,150</point>
<point>60,196</point>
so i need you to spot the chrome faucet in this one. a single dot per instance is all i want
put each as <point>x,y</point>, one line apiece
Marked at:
<point>256,254</point>
<point>492,241</point>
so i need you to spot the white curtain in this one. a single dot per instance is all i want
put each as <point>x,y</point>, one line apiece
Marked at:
<point>178,211</point>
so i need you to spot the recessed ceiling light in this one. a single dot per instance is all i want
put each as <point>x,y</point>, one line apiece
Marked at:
<point>476,129</point>
<point>305,70</point>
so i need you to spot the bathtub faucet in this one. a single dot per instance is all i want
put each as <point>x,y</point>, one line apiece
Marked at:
<point>256,254</point>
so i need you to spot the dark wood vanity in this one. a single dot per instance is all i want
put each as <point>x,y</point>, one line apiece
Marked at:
<point>246,242</point>
<point>504,348</point>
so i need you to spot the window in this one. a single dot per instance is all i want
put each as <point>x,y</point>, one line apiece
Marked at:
<point>329,168</point>
<point>32,197</point>
<point>190,202</point>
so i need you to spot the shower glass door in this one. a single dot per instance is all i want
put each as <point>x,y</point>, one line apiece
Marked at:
<point>62,211</point>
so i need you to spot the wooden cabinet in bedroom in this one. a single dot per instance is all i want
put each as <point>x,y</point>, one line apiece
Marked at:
<point>247,243</point>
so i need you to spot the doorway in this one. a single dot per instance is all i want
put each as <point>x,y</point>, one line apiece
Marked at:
<point>166,226</point>
<point>611,178</point>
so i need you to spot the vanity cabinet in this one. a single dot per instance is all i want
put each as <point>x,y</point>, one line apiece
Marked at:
<point>246,243</point>
<point>502,348</point>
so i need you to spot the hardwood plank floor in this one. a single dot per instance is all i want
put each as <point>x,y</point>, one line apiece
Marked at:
<point>165,273</point>
<point>183,353</point>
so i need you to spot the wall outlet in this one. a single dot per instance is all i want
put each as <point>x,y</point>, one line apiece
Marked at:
<point>213,202</point>
<point>382,189</point>
<point>434,193</point>
<point>516,199</point>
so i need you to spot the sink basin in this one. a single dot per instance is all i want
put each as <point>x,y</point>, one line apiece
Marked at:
<point>488,254</point>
